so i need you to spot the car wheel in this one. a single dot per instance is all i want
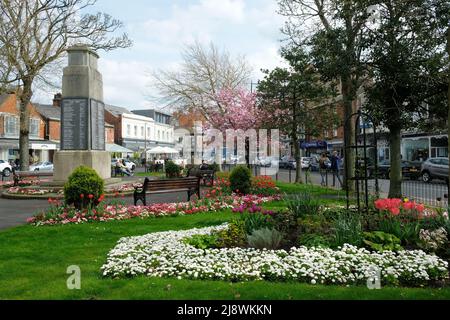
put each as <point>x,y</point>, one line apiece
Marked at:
<point>426,177</point>
<point>133,167</point>
<point>6,172</point>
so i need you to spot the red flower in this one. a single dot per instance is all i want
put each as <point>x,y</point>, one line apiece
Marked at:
<point>102,197</point>
<point>90,196</point>
<point>420,208</point>
<point>394,211</point>
<point>81,196</point>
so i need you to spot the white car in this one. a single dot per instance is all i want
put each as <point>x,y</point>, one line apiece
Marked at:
<point>5,168</point>
<point>42,166</point>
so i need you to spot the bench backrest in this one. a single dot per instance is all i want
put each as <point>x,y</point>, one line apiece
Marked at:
<point>199,173</point>
<point>169,184</point>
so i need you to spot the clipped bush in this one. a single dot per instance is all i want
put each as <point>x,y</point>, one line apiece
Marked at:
<point>381,241</point>
<point>84,187</point>
<point>172,170</point>
<point>265,239</point>
<point>241,180</point>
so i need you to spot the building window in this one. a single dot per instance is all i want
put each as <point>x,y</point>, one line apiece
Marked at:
<point>34,127</point>
<point>148,133</point>
<point>159,135</point>
<point>335,132</point>
<point>135,131</point>
<point>11,126</point>
<point>128,130</point>
<point>142,131</point>
<point>439,147</point>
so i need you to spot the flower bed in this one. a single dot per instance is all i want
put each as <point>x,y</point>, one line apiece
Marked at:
<point>33,191</point>
<point>60,214</point>
<point>164,254</point>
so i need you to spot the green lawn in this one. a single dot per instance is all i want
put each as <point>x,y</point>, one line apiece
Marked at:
<point>33,263</point>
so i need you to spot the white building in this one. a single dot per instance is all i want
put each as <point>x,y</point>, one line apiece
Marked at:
<point>139,130</point>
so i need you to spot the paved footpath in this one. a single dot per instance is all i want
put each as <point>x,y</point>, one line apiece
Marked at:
<point>15,212</point>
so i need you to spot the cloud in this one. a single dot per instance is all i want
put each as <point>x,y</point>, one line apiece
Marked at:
<point>160,29</point>
<point>124,83</point>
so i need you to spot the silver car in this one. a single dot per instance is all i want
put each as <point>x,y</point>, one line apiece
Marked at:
<point>42,166</point>
<point>435,168</point>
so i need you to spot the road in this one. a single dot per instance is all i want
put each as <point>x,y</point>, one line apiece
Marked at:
<point>428,193</point>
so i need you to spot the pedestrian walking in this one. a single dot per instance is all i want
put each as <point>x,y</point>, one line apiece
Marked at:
<point>335,168</point>
<point>323,168</point>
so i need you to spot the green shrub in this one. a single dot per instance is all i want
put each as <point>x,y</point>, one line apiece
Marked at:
<point>255,221</point>
<point>214,167</point>
<point>303,204</point>
<point>203,241</point>
<point>312,224</point>
<point>287,224</point>
<point>347,229</point>
<point>314,240</point>
<point>381,241</point>
<point>83,182</point>
<point>233,236</point>
<point>172,170</point>
<point>223,175</point>
<point>241,180</point>
<point>406,231</point>
<point>265,239</point>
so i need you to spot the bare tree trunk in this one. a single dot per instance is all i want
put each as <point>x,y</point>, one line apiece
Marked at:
<point>25,97</point>
<point>448,119</point>
<point>349,133</point>
<point>395,184</point>
<point>298,169</point>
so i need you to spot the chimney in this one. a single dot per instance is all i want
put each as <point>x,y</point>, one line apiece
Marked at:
<point>57,100</point>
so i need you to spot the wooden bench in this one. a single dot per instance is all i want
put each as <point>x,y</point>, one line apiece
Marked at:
<point>204,175</point>
<point>191,185</point>
<point>19,175</point>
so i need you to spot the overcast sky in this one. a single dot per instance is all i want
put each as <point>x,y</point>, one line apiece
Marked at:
<point>160,28</point>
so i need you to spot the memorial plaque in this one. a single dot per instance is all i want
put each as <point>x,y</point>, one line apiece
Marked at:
<point>74,124</point>
<point>97,125</point>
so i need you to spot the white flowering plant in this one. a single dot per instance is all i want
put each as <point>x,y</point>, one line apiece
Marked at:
<point>166,254</point>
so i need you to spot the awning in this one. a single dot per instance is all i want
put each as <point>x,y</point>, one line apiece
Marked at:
<point>43,146</point>
<point>116,148</point>
<point>156,150</point>
<point>163,150</point>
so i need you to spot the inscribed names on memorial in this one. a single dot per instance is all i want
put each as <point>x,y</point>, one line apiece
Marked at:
<point>75,124</point>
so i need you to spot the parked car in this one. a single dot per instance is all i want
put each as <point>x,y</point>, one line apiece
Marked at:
<point>273,162</point>
<point>5,168</point>
<point>435,168</point>
<point>409,169</point>
<point>129,164</point>
<point>42,166</point>
<point>287,162</point>
<point>306,162</point>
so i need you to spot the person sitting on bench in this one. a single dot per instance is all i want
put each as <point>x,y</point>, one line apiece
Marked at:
<point>204,165</point>
<point>122,168</point>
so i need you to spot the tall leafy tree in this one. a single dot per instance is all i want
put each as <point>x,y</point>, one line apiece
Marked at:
<point>291,96</point>
<point>407,60</point>
<point>36,33</point>
<point>334,31</point>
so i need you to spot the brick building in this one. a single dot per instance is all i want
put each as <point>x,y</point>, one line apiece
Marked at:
<point>40,146</point>
<point>45,129</point>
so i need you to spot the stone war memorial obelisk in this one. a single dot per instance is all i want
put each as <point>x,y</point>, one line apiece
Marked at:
<point>82,117</point>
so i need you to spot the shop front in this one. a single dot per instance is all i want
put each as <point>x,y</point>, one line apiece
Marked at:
<point>39,150</point>
<point>423,147</point>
